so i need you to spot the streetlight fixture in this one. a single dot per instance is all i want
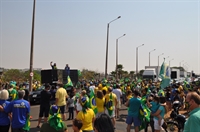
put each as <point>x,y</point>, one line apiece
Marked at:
<point>137,58</point>
<point>170,61</point>
<point>149,55</point>
<point>32,47</point>
<point>117,54</point>
<point>106,65</point>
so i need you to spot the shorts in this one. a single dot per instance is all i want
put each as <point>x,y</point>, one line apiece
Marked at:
<point>156,125</point>
<point>135,120</point>
<point>62,109</point>
<point>118,104</point>
<point>44,110</point>
<point>113,113</point>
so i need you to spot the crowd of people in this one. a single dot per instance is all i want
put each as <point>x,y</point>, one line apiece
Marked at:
<point>94,106</point>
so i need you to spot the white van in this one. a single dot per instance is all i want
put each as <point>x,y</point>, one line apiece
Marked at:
<point>149,74</point>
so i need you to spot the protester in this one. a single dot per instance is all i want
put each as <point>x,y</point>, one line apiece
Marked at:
<point>44,104</point>
<point>61,96</point>
<point>103,123</point>
<point>12,92</point>
<point>4,117</point>
<point>118,93</point>
<point>53,95</point>
<point>111,103</point>
<point>86,115</point>
<point>55,123</point>
<point>160,112</point>
<point>192,123</point>
<point>133,112</point>
<point>77,125</point>
<point>20,110</point>
<point>53,66</point>
<point>100,102</point>
<point>70,106</point>
<point>67,70</point>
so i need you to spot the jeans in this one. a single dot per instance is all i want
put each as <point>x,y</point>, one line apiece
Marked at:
<point>71,112</point>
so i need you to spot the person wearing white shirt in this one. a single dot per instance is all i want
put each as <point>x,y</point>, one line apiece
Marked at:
<point>118,93</point>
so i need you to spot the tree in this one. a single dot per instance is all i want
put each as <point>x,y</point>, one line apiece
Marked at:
<point>120,70</point>
<point>113,73</point>
<point>131,73</point>
<point>36,75</point>
<point>12,75</point>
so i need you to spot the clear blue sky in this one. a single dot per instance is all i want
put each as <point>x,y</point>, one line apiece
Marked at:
<point>74,32</point>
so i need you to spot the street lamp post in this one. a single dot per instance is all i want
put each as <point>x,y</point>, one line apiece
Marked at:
<point>149,55</point>
<point>106,65</point>
<point>31,52</point>
<point>137,58</point>
<point>117,54</point>
<point>170,61</point>
<point>158,58</point>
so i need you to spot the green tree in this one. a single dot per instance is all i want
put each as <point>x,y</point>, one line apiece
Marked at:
<point>12,75</point>
<point>131,73</point>
<point>120,70</point>
<point>36,75</point>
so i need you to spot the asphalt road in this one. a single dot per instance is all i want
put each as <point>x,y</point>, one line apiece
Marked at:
<point>120,123</point>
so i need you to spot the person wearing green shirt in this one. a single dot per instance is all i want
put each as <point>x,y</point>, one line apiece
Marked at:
<point>12,93</point>
<point>192,124</point>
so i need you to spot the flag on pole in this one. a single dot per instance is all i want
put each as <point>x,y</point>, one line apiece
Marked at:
<point>165,75</point>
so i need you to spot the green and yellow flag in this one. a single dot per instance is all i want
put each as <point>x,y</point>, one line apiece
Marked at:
<point>27,124</point>
<point>144,116</point>
<point>93,102</point>
<point>69,82</point>
<point>109,105</point>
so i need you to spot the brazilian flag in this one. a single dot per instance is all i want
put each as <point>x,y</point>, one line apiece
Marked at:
<point>109,105</point>
<point>69,82</point>
<point>27,124</point>
<point>186,85</point>
<point>55,120</point>
<point>144,116</point>
<point>93,102</point>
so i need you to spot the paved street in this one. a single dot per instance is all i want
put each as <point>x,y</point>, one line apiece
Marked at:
<point>120,123</point>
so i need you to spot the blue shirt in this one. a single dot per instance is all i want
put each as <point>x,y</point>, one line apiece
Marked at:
<point>162,113</point>
<point>192,124</point>
<point>4,118</point>
<point>134,107</point>
<point>154,106</point>
<point>20,109</point>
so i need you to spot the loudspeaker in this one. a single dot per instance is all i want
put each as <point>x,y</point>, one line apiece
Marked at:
<point>73,76</point>
<point>48,76</point>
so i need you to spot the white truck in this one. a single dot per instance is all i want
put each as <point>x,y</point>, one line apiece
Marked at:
<point>175,74</point>
<point>151,72</point>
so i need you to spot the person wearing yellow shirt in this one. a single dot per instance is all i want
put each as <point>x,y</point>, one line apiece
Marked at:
<point>100,86</point>
<point>105,88</point>
<point>129,95</point>
<point>61,95</point>
<point>111,103</point>
<point>86,115</point>
<point>100,101</point>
